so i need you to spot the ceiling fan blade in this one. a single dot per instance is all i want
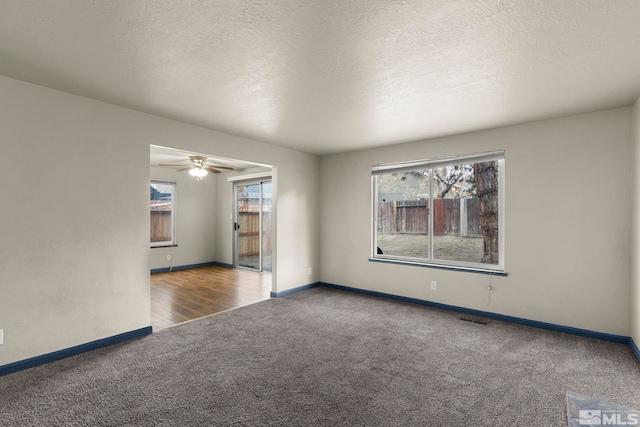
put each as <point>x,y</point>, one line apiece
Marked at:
<point>222,168</point>
<point>175,162</point>
<point>197,162</point>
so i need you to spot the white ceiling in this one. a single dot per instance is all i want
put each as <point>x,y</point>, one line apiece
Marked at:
<point>326,76</point>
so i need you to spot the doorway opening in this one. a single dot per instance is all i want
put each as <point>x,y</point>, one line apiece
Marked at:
<point>192,260</point>
<point>253,215</point>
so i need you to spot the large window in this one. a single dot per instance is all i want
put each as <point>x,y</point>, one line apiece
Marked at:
<point>163,213</point>
<point>443,212</point>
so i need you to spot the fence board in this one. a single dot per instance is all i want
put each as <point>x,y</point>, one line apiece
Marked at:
<point>266,232</point>
<point>410,216</point>
<point>249,233</point>
<point>160,226</point>
<point>473,218</point>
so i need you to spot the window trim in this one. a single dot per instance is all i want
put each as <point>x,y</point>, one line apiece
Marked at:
<point>382,169</point>
<point>174,240</point>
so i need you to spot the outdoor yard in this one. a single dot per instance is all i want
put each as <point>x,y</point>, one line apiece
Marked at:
<point>453,248</point>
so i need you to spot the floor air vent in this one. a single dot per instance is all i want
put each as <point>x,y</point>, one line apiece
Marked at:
<point>467,319</point>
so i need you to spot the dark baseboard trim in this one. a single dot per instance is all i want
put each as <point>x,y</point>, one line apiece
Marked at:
<point>222,264</point>
<point>294,290</point>
<point>73,351</point>
<point>620,339</point>
<point>634,348</point>
<point>184,267</point>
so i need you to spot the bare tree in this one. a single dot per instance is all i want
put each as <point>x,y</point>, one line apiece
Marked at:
<point>486,185</point>
<point>457,181</point>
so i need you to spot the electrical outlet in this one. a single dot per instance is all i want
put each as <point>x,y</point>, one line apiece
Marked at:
<point>434,285</point>
<point>1,336</point>
<point>310,270</point>
<point>168,257</point>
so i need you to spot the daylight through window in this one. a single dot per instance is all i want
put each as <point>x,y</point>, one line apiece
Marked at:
<point>162,206</point>
<point>446,212</point>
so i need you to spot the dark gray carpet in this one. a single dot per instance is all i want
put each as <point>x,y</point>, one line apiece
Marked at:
<point>326,357</point>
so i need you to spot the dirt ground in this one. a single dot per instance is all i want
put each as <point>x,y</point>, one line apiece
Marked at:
<point>451,248</point>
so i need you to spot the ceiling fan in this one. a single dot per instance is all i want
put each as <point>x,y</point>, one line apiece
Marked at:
<point>197,167</point>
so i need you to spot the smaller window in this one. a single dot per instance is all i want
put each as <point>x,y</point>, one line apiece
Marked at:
<point>163,213</point>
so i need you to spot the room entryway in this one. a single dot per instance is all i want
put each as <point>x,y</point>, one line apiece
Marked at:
<point>201,211</point>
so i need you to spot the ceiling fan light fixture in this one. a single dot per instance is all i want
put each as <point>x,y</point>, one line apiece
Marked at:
<point>197,167</point>
<point>198,172</point>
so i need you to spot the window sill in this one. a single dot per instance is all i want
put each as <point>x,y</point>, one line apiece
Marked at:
<point>164,246</point>
<point>441,267</point>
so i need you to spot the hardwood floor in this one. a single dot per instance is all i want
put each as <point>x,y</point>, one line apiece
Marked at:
<point>189,294</point>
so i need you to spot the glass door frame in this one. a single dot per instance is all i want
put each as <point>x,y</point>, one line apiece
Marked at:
<point>236,225</point>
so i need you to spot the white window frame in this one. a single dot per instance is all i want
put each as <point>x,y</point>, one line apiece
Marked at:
<point>173,241</point>
<point>432,164</point>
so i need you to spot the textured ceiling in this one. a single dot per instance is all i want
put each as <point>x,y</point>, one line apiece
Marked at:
<point>332,75</point>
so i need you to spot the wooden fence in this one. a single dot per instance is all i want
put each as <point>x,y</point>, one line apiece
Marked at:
<point>456,217</point>
<point>249,233</point>
<point>160,226</point>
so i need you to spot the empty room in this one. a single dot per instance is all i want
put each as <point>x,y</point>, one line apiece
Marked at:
<point>439,202</point>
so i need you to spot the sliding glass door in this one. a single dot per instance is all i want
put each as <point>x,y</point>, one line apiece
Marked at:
<point>253,225</point>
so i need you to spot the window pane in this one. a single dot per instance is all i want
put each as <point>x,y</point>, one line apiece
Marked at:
<point>402,221</point>
<point>249,223</point>
<point>465,213</point>
<point>161,207</point>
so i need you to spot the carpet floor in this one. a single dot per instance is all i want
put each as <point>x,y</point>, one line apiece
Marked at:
<point>326,357</point>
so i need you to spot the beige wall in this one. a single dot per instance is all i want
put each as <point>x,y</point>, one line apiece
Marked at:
<point>74,177</point>
<point>635,252</point>
<point>568,223</point>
